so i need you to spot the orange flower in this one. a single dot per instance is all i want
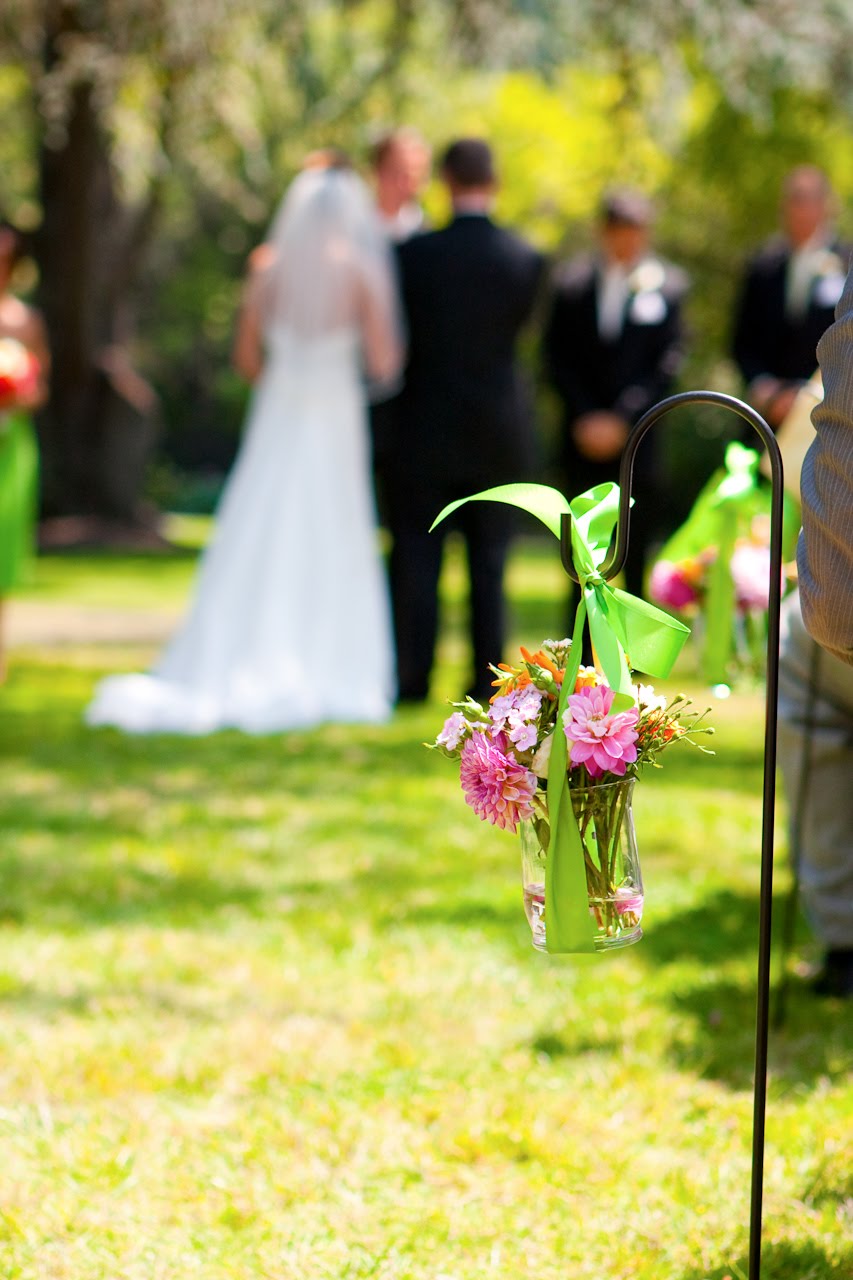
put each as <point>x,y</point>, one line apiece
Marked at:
<point>541,659</point>
<point>519,677</point>
<point>587,678</point>
<point>516,678</point>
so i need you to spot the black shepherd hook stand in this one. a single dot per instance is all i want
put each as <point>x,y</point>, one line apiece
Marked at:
<point>609,569</point>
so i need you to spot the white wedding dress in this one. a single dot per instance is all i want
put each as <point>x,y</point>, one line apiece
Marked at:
<point>290,623</point>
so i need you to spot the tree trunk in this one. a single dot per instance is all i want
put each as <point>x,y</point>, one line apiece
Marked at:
<point>99,427</point>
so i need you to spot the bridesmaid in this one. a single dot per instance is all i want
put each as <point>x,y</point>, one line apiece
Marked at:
<point>23,342</point>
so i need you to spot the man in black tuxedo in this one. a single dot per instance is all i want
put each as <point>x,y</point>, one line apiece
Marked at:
<point>788,296</point>
<point>465,420</point>
<point>613,345</point>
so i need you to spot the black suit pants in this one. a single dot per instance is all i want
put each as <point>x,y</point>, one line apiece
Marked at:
<point>415,567</point>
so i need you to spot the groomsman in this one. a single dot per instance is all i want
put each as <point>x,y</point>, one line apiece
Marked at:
<point>788,296</point>
<point>465,419</point>
<point>613,345</point>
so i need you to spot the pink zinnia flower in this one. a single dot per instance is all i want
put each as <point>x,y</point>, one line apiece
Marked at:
<point>496,786</point>
<point>605,743</point>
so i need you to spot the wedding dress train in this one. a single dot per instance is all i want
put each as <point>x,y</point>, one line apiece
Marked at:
<point>289,626</point>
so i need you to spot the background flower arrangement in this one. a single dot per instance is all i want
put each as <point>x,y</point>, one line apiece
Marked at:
<point>716,567</point>
<point>19,373</point>
<point>683,584</point>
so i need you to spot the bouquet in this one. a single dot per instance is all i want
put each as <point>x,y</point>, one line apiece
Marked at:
<point>556,753</point>
<point>505,752</point>
<point>19,373</point>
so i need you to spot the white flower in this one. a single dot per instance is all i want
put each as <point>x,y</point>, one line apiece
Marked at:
<point>648,700</point>
<point>539,763</point>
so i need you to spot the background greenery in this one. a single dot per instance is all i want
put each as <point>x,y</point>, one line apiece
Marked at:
<point>203,113</point>
<point>268,1007</point>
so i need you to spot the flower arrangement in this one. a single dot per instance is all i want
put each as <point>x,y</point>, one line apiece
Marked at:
<point>505,754</point>
<point>19,373</point>
<point>557,763</point>
<point>683,584</point>
<point>716,567</point>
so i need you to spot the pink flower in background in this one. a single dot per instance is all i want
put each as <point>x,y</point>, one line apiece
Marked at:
<point>750,565</point>
<point>496,786</point>
<point>670,585</point>
<point>605,743</point>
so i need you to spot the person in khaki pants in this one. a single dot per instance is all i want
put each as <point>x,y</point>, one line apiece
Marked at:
<point>816,683</point>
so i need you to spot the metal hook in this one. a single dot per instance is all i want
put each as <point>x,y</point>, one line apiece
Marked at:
<point>609,569</point>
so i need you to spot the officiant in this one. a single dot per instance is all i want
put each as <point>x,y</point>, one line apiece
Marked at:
<point>788,296</point>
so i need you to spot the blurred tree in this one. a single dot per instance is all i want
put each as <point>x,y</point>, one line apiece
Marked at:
<point>114,88</point>
<point>123,115</point>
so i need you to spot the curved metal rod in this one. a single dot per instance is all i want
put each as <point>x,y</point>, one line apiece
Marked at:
<point>611,567</point>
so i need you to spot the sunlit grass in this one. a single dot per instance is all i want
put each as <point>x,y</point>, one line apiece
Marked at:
<point>269,1006</point>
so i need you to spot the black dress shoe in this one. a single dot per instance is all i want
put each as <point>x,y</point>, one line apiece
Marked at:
<point>836,977</point>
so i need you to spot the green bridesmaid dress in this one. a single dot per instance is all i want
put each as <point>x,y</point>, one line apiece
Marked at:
<point>18,492</point>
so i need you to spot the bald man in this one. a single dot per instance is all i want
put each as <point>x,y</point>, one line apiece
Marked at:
<point>788,296</point>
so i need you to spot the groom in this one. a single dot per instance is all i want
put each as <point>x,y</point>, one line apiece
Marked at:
<point>465,420</point>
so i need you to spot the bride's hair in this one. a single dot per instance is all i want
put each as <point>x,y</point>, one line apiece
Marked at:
<point>330,266</point>
<point>327,158</point>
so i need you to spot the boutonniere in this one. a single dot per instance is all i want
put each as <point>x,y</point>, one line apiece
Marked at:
<point>829,263</point>
<point>827,283</point>
<point>647,277</point>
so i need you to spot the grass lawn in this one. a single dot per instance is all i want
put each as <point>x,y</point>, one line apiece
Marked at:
<point>269,1009</point>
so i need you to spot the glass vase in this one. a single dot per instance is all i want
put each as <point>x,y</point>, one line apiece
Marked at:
<point>614,884</point>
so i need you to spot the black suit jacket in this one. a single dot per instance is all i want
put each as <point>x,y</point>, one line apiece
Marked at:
<point>630,373</point>
<point>766,340</point>
<point>465,419</point>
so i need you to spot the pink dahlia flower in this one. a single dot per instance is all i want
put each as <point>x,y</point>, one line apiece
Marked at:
<point>605,743</point>
<point>496,786</point>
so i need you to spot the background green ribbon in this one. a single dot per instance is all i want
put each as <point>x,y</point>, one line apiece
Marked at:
<point>729,502</point>
<point>619,624</point>
<point>722,513</point>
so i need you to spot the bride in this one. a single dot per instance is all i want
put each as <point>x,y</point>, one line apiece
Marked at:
<point>289,625</point>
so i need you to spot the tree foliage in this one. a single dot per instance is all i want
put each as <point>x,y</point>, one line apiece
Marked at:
<point>127,118</point>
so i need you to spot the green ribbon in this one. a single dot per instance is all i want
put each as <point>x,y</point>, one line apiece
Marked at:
<point>619,624</point>
<point>726,501</point>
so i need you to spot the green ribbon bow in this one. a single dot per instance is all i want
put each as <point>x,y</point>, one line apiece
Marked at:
<point>619,624</point>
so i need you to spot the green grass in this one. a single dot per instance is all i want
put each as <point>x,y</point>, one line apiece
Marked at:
<point>268,1007</point>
